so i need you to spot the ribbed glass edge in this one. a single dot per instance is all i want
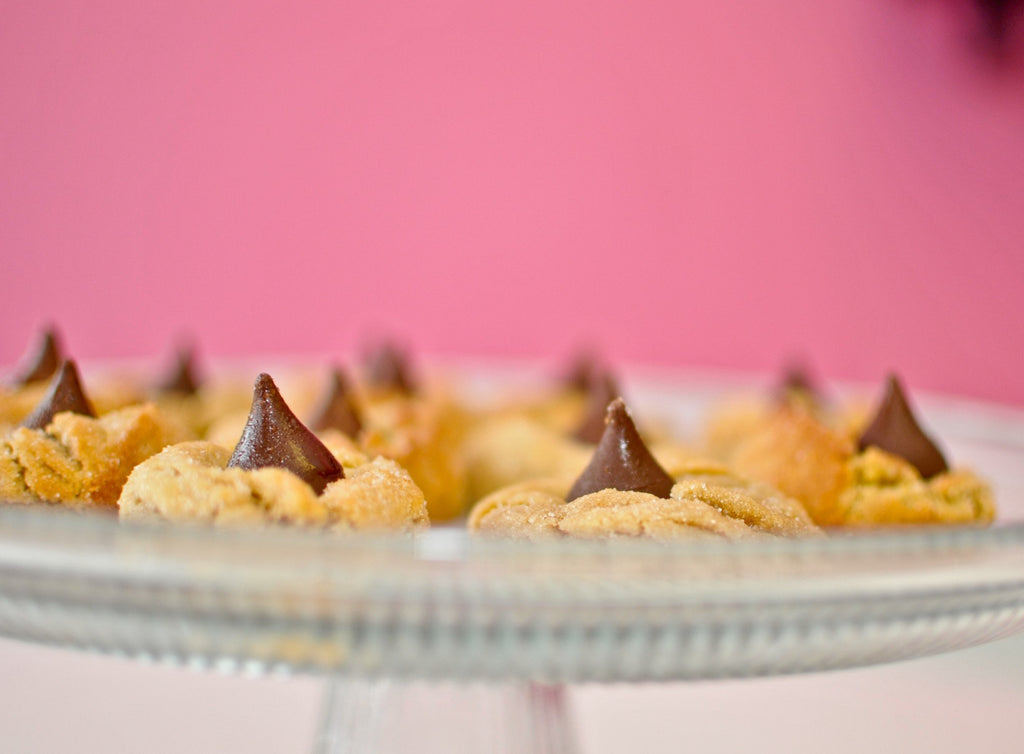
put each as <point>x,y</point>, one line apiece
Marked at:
<point>51,538</point>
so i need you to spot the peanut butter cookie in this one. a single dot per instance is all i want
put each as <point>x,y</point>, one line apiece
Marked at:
<point>63,453</point>
<point>278,472</point>
<point>624,492</point>
<point>891,474</point>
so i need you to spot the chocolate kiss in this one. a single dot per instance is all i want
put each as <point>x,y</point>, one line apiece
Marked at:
<point>44,360</point>
<point>274,437</point>
<point>581,371</point>
<point>601,390</point>
<point>338,410</point>
<point>797,379</point>
<point>895,430</point>
<point>387,367</point>
<point>182,377</point>
<point>65,394</point>
<point>621,461</point>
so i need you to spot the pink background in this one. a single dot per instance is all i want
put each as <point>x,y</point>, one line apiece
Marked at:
<point>716,184</point>
<point>689,183</point>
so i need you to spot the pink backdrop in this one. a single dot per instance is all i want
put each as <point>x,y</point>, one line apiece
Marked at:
<point>686,183</point>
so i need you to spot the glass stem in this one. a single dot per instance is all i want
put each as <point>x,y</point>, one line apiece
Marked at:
<point>386,717</point>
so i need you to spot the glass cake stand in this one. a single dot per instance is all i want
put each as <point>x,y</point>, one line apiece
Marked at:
<point>443,642</point>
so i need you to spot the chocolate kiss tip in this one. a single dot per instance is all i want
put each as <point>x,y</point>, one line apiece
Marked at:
<point>387,367</point>
<point>797,378</point>
<point>895,430</point>
<point>601,391</point>
<point>44,360</point>
<point>273,436</point>
<point>584,365</point>
<point>338,410</point>
<point>182,377</point>
<point>621,461</point>
<point>65,394</point>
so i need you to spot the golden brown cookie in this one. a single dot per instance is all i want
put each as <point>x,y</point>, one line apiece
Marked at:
<point>510,449</point>
<point>732,421</point>
<point>844,481</point>
<point>423,433</point>
<point>884,489</point>
<point>699,506</point>
<point>79,460</point>
<point>421,430</point>
<point>624,492</point>
<point>504,451</point>
<point>800,456</point>
<point>509,445</point>
<point>192,482</point>
<point>415,422</point>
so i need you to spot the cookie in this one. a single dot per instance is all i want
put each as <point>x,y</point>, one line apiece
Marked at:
<point>624,492</point>
<point>191,482</point>
<point>891,474</point>
<point>76,459</point>
<point>278,472</point>
<point>423,433</point>
<point>508,447</point>
<point>507,450</point>
<point>32,378</point>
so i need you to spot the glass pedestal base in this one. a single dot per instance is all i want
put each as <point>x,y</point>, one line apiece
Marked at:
<point>388,717</point>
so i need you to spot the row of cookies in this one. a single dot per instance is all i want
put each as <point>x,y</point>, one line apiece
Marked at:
<point>166,451</point>
<point>567,462</point>
<point>783,464</point>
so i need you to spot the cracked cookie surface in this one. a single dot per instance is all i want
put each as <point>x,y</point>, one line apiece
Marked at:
<point>884,489</point>
<point>191,482</point>
<point>81,461</point>
<point>706,502</point>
